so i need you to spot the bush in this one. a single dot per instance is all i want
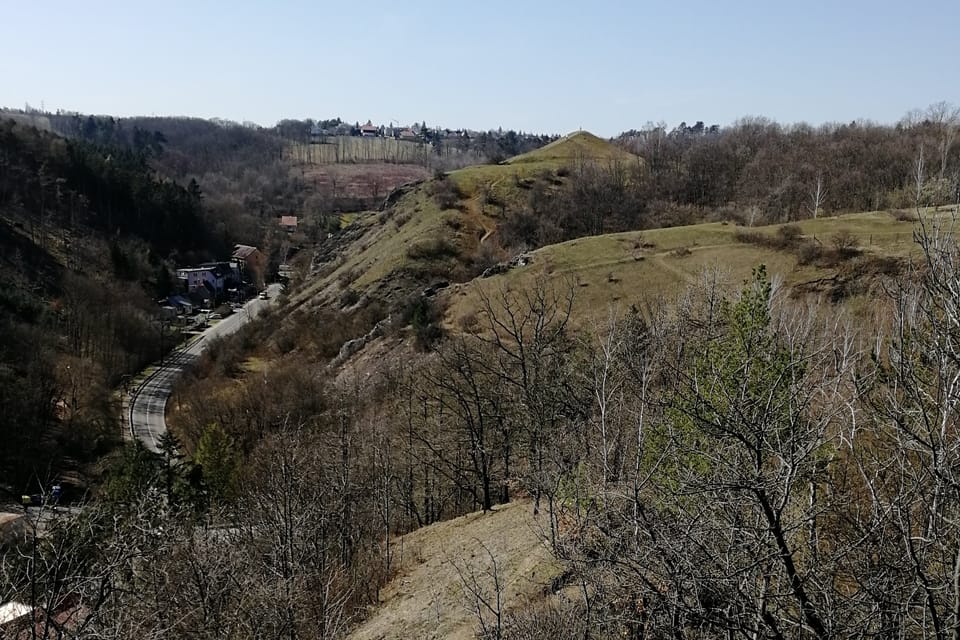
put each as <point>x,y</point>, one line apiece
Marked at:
<point>433,249</point>
<point>446,193</point>
<point>423,315</point>
<point>401,219</point>
<point>789,235</point>
<point>903,215</point>
<point>808,252</point>
<point>845,244</point>
<point>346,278</point>
<point>349,298</point>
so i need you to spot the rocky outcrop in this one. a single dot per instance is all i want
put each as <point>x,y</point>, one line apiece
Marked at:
<point>520,260</point>
<point>350,347</point>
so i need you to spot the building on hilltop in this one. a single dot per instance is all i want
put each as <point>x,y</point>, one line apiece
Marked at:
<point>369,130</point>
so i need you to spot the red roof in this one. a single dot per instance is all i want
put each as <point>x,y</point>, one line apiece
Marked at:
<point>288,221</point>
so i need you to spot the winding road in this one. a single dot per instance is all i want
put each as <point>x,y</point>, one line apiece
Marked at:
<point>148,402</point>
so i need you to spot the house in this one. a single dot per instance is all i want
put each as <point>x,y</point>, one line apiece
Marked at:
<point>408,134</point>
<point>193,278</point>
<point>251,264</point>
<point>368,130</point>
<point>15,619</point>
<point>20,621</point>
<point>212,275</point>
<point>181,304</point>
<point>317,134</point>
<point>288,223</point>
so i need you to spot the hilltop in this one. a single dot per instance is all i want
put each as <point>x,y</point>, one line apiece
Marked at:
<point>447,227</point>
<point>575,147</point>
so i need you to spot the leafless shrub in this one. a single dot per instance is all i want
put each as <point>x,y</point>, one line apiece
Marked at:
<point>845,244</point>
<point>809,252</point>
<point>401,219</point>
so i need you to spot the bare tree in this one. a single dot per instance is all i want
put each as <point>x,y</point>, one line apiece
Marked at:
<point>818,195</point>
<point>945,117</point>
<point>483,591</point>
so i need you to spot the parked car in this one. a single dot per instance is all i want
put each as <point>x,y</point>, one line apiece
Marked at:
<point>264,295</point>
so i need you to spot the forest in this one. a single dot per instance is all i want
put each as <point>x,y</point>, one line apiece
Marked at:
<point>733,460</point>
<point>89,237</point>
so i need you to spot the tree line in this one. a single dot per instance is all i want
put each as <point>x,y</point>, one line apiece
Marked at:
<point>89,235</point>
<point>753,172</point>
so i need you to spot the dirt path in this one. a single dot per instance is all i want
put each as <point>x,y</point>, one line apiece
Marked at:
<point>427,598</point>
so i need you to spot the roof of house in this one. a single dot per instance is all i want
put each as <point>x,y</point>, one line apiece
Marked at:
<point>368,127</point>
<point>243,251</point>
<point>13,610</point>
<point>288,221</point>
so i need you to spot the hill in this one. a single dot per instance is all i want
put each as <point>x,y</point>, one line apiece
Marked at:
<point>447,228</point>
<point>86,235</point>
<point>576,146</point>
<point>635,268</point>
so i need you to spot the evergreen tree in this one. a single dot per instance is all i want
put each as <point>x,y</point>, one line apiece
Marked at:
<point>218,462</point>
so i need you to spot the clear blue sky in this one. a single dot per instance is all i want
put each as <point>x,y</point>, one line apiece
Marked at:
<point>548,67</point>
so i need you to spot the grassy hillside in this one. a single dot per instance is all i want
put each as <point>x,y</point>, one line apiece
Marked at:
<point>442,229</point>
<point>636,267</point>
<point>576,146</point>
<point>428,598</point>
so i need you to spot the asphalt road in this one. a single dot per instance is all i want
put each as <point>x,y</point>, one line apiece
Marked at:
<point>148,402</point>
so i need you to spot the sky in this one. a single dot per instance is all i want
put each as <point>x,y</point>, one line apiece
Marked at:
<point>548,67</point>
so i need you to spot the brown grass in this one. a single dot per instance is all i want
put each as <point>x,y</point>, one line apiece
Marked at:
<point>426,599</point>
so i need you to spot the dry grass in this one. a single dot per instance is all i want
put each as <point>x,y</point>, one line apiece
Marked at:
<point>621,269</point>
<point>579,145</point>
<point>426,599</point>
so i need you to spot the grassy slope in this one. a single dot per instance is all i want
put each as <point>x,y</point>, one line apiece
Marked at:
<point>579,145</point>
<point>382,244</point>
<point>632,267</point>
<point>502,179</point>
<point>426,599</point>
<point>382,248</point>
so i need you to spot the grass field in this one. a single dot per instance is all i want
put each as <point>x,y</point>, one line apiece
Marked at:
<point>506,182</point>
<point>616,269</point>
<point>622,269</point>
